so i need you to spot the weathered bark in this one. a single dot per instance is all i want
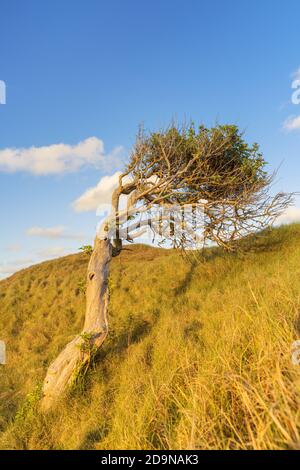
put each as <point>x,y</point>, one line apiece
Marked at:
<point>76,354</point>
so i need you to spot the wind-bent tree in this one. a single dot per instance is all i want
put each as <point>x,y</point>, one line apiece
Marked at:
<point>187,187</point>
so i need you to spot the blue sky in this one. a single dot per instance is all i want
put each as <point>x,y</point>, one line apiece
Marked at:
<point>84,74</point>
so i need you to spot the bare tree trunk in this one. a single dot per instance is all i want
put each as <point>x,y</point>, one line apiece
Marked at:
<point>62,371</point>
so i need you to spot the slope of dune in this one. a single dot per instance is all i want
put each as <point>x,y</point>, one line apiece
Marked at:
<point>198,356</point>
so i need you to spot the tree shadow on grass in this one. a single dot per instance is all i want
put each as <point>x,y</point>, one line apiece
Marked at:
<point>297,325</point>
<point>131,335</point>
<point>184,285</point>
<point>116,346</point>
<point>94,436</point>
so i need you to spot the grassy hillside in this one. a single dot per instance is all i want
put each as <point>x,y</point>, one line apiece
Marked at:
<point>198,355</point>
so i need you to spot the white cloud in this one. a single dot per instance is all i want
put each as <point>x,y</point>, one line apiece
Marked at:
<point>53,252</point>
<point>97,196</point>
<point>53,232</point>
<point>59,158</point>
<point>6,269</point>
<point>292,123</point>
<point>14,248</point>
<point>296,75</point>
<point>11,267</point>
<point>49,253</point>
<point>290,215</point>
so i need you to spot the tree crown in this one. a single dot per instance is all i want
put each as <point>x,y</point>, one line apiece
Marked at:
<point>213,164</point>
<point>213,169</point>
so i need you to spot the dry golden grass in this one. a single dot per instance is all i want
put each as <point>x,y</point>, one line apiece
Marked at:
<point>198,355</point>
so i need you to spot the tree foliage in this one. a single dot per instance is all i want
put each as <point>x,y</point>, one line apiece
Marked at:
<point>213,168</point>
